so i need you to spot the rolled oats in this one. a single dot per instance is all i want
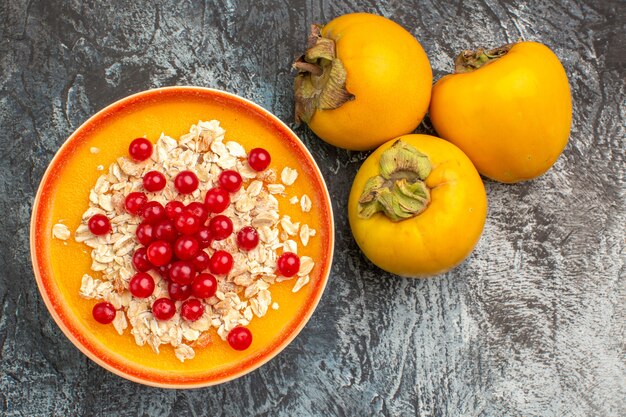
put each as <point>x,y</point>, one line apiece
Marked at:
<point>60,231</point>
<point>244,292</point>
<point>288,226</point>
<point>290,246</point>
<point>306,266</point>
<point>305,234</point>
<point>301,282</point>
<point>288,176</point>
<point>305,203</point>
<point>276,188</point>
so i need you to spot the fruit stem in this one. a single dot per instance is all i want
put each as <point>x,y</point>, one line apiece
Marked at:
<point>398,191</point>
<point>321,80</point>
<point>468,60</point>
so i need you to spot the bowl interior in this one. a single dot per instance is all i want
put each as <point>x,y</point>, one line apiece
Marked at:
<point>63,197</point>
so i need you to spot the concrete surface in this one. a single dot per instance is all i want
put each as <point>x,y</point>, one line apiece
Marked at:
<point>532,324</point>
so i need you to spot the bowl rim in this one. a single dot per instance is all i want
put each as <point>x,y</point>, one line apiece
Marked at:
<point>254,363</point>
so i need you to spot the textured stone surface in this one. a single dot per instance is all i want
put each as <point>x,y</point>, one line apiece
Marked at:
<point>533,323</point>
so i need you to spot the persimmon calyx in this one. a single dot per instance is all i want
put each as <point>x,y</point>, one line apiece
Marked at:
<point>321,79</point>
<point>399,191</point>
<point>470,60</point>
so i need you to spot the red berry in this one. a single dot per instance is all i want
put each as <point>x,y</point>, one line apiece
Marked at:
<point>103,312</point>
<point>153,211</point>
<point>259,159</point>
<point>140,149</point>
<point>186,182</point>
<point>288,264</point>
<point>164,271</point>
<point>186,247</point>
<point>199,210</point>
<point>141,285</point>
<point>239,338</point>
<point>163,309</point>
<point>192,310</point>
<point>145,233</point>
<point>140,260</point>
<point>182,272</point>
<point>173,209</point>
<point>221,262</point>
<point>230,181</point>
<point>204,286</point>
<point>201,261</point>
<point>204,237</point>
<point>154,181</point>
<point>186,223</point>
<point>221,227</point>
<point>165,230</point>
<point>99,224</point>
<point>134,202</point>
<point>178,292</point>
<point>247,238</point>
<point>217,199</point>
<point>159,253</point>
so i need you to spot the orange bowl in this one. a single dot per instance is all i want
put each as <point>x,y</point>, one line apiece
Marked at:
<point>63,196</point>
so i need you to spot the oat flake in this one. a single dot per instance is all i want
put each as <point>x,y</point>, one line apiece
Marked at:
<point>305,203</point>
<point>60,231</point>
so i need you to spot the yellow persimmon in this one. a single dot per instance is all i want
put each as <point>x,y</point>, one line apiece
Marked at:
<point>417,206</point>
<point>362,81</point>
<point>509,109</point>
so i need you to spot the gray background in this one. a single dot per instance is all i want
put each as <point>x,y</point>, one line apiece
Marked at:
<point>532,324</point>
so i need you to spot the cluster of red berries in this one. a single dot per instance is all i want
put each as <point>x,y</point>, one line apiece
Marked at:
<point>174,238</point>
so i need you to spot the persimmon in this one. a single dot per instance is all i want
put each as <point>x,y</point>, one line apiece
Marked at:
<point>509,109</point>
<point>417,206</point>
<point>362,81</point>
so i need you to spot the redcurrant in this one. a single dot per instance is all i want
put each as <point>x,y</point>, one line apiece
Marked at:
<point>103,312</point>
<point>186,223</point>
<point>134,202</point>
<point>173,209</point>
<point>154,181</point>
<point>191,310</point>
<point>221,262</point>
<point>165,230</point>
<point>204,237</point>
<point>201,261</point>
<point>145,233</point>
<point>99,224</point>
<point>221,227</point>
<point>186,182</point>
<point>141,285</point>
<point>186,247</point>
<point>140,149</point>
<point>204,286</point>
<point>216,200</point>
<point>140,260</point>
<point>247,238</point>
<point>230,180</point>
<point>159,253</point>
<point>182,272</point>
<point>259,159</point>
<point>153,211</point>
<point>178,292</point>
<point>239,338</point>
<point>288,264</point>
<point>199,210</point>
<point>163,309</point>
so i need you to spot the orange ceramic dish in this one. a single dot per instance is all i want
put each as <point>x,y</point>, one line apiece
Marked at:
<point>64,195</point>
